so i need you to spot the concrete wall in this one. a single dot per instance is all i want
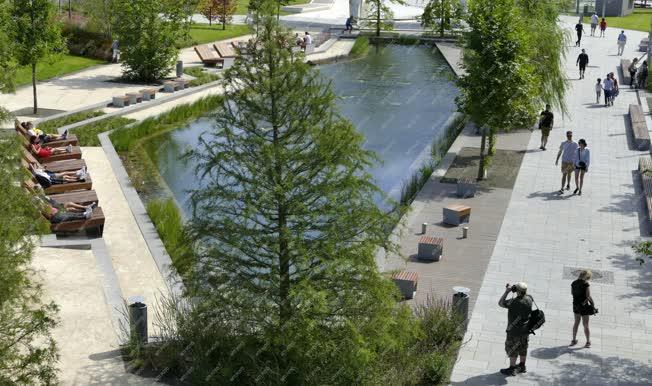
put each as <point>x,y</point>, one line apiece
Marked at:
<point>615,8</point>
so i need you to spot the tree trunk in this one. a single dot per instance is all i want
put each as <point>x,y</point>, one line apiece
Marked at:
<point>69,10</point>
<point>492,144</point>
<point>278,10</point>
<point>441,21</point>
<point>482,147</point>
<point>224,14</point>
<point>378,19</point>
<point>34,88</point>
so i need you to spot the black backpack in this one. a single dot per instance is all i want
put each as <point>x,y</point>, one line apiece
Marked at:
<point>537,318</point>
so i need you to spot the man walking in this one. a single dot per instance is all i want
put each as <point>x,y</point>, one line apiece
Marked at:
<point>642,75</point>
<point>608,86</point>
<point>622,40</point>
<point>567,151</point>
<point>582,61</point>
<point>594,23</point>
<point>545,125</point>
<point>632,72</point>
<point>518,316</point>
<point>115,47</point>
<point>579,27</point>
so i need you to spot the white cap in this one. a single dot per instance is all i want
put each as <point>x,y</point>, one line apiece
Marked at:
<point>521,286</point>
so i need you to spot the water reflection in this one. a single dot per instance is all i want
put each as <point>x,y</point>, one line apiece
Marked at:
<point>399,97</point>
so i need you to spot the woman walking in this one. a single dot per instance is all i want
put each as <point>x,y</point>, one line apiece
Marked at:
<point>583,306</point>
<point>603,27</point>
<point>581,161</point>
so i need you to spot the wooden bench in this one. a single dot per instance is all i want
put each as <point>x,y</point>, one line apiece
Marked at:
<point>170,86</point>
<point>406,282</point>
<point>645,165</point>
<point>74,154</point>
<point>456,214</point>
<point>639,127</point>
<point>92,225</point>
<point>624,67</point>
<point>208,56</point>
<point>149,93</point>
<point>120,101</point>
<point>181,83</point>
<point>135,97</point>
<point>87,184</point>
<point>466,187</point>
<point>430,248</point>
<point>55,166</point>
<point>227,52</point>
<point>70,140</point>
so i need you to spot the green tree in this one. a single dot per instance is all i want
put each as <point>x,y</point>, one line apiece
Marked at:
<point>100,15</point>
<point>498,90</point>
<point>28,354</point>
<point>7,62</point>
<point>286,227</point>
<point>36,34</point>
<point>221,10</point>
<point>208,9</point>
<point>442,15</point>
<point>381,15</point>
<point>148,31</point>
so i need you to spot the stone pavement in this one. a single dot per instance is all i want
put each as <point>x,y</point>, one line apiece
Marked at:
<point>543,234</point>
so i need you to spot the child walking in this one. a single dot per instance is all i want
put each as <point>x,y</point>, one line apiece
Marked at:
<point>598,90</point>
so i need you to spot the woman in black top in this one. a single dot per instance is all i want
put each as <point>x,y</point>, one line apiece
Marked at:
<point>583,305</point>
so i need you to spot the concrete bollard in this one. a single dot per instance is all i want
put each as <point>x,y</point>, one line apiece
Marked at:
<point>465,232</point>
<point>138,319</point>
<point>179,68</point>
<point>424,227</point>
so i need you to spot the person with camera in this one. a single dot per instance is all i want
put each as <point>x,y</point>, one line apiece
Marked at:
<point>583,306</point>
<point>582,161</point>
<point>518,331</point>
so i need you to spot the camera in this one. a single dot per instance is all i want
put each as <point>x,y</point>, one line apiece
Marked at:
<point>513,288</point>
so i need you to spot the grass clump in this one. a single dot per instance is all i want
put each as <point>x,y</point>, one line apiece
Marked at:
<point>639,20</point>
<point>125,138</point>
<point>53,124</point>
<point>204,33</point>
<point>168,221</point>
<point>201,76</point>
<point>62,65</point>
<point>87,134</point>
<point>360,47</point>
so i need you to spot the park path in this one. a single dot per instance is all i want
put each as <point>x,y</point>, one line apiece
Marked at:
<point>545,236</point>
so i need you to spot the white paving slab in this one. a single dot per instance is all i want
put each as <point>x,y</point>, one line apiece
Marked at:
<point>543,232</point>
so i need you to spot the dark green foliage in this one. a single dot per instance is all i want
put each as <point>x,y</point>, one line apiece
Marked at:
<point>28,354</point>
<point>201,76</point>
<point>36,34</point>
<point>148,31</point>
<point>442,16</point>
<point>7,62</point>
<point>169,224</point>
<point>87,134</point>
<point>643,250</point>
<point>50,126</point>
<point>360,47</point>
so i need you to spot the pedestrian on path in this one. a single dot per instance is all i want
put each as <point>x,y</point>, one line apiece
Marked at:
<point>598,91</point>
<point>545,125</point>
<point>583,306</point>
<point>579,27</point>
<point>582,61</point>
<point>567,151</point>
<point>349,24</point>
<point>594,23</point>
<point>642,75</point>
<point>616,89</point>
<point>581,161</point>
<point>115,47</point>
<point>518,316</point>
<point>607,86</point>
<point>622,40</point>
<point>603,27</point>
<point>632,72</point>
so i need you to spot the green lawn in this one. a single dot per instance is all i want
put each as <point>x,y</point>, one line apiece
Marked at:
<point>64,65</point>
<point>203,33</point>
<point>640,20</point>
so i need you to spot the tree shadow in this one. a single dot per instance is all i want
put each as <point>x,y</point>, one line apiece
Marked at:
<point>549,196</point>
<point>483,380</point>
<point>631,204</point>
<point>641,287</point>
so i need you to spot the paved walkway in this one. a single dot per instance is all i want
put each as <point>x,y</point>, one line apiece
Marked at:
<point>544,234</point>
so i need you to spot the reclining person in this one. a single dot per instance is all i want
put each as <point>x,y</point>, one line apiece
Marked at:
<point>70,211</point>
<point>46,178</point>
<point>46,151</point>
<point>43,138</point>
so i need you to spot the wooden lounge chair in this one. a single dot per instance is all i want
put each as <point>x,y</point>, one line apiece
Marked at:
<point>55,166</point>
<point>87,184</point>
<point>75,154</point>
<point>225,50</point>
<point>71,140</point>
<point>82,197</point>
<point>208,56</point>
<point>92,225</point>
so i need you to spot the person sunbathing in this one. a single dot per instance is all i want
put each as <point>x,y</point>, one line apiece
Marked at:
<point>46,151</point>
<point>69,211</point>
<point>46,178</point>
<point>43,138</point>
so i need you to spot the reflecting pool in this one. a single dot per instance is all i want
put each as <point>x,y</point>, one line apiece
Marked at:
<point>398,97</point>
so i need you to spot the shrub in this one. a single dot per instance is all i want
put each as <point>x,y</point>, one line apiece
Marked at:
<point>360,47</point>
<point>201,76</point>
<point>168,221</point>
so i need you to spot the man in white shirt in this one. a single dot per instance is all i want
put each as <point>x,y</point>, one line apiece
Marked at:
<point>567,151</point>
<point>594,23</point>
<point>622,40</point>
<point>608,86</point>
<point>307,42</point>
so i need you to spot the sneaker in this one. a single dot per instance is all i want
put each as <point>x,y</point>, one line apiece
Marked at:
<point>544,148</point>
<point>541,147</point>
<point>567,187</point>
<point>575,191</point>
<point>88,213</point>
<point>69,149</point>
<point>561,191</point>
<point>510,371</point>
<point>521,369</point>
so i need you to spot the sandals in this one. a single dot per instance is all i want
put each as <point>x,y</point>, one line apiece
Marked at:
<point>573,342</point>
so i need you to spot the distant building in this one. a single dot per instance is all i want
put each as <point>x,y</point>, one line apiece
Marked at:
<point>614,7</point>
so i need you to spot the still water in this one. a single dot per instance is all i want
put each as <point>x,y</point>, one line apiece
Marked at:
<point>398,97</point>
